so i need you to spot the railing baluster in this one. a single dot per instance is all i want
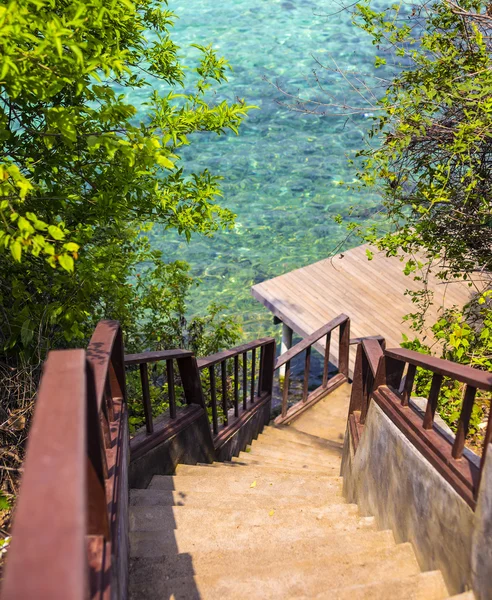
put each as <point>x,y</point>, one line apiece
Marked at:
<point>144,378</point>
<point>285,391</point>
<point>326,364</point>
<point>245,380</point>
<point>253,369</point>
<point>464,421</point>
<point>307,365</point>
<point>213,396</point>
<point>260,374</point>
<point>430,411</point>
<point>236,386</point>
<point>408,386</point>
<point>344,347</point>
<point>170,388</point>
<point>223,369</point>
<point>108,396</point>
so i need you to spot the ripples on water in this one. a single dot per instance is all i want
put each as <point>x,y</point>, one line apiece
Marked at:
<point>282,174</point>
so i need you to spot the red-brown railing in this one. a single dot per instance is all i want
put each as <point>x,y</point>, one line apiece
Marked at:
<point>379,376</point>
<point>67,533</point>
<point>188,373</point>
<point>328,385</point>
<point>245,392</point>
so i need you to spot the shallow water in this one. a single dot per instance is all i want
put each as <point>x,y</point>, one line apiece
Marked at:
<point>283,173</point>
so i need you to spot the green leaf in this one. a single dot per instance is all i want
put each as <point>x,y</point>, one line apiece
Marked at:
<point>66,262</point>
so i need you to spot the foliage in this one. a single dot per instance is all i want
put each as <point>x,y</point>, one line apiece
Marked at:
<point>430,146</point>
<point>202,335</point>
<point>83,174</point>
<point>463,336</point>
<point>95,107</point>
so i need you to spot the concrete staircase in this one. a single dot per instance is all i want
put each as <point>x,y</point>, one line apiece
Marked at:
<point>270,524</point>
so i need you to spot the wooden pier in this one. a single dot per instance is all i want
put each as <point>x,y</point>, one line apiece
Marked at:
<point>370,292</point>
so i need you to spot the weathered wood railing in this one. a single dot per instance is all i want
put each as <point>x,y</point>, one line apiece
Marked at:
<point>188,373</point>
<point>327,385</point>
<point>369,353</point>
<point>68,539</point>
<point>379,376</point>
<point>246,391</point>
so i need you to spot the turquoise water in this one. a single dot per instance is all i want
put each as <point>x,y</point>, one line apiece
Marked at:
<point>283,173</point>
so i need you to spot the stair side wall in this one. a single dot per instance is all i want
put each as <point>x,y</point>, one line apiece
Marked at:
<point>389,479</point>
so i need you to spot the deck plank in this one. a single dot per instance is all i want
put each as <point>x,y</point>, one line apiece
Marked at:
<point>372,293</point>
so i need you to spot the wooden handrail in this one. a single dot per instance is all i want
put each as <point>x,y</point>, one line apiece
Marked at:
<point>151,357</point>
<point>305,345</point>
<point>47,557</point>
<point>368,357</point>
<point>310,340</point>
<point>373,351</point>
<point>260,383</point>
<point>214,359</point>
<point>463,373</point>
<point>392,392</point>
<point>67,526</point>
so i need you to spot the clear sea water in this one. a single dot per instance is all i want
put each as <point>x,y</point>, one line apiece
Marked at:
<point>282,173</point>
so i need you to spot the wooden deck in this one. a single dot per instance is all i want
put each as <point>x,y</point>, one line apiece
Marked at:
<point>371,293</point>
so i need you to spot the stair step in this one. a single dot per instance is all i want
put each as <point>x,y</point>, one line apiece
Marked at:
<point>271,441</point>
<point>220,499</point>
<point>225,470</point>
<point>222,532</point>
<point>290,455</point>
<point>146,547</point>
<point>168,518</point>
<point>245,459</point>
<point>280,577</point>
<point>173,565</point>
<point>291,435</point>
<point>261,483</point>
<point>424,586</point>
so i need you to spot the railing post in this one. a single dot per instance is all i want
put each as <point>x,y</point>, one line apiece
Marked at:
<point>190,379</point>
<point>356,396</point>
<point>266,381</point>
<point>344,347</point>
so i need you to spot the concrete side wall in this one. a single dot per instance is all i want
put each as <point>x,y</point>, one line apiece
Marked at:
<point>390,479</point>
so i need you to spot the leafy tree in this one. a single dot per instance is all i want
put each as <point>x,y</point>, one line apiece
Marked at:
<point>431,151</point>
<point>83,173</point>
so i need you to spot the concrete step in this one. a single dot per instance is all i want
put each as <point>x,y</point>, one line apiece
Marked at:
<point>225,470</point>
<point>246,459</point>
<point>239,531</point>
<point>186,518</point>
<point>280,577</point>
<point>424,586</point>
<point>291,456</point>
<point>269,440</point>
<point>309,485</point>
<point>144,546</point>
<point>219,499</point>
<point>289,434</point>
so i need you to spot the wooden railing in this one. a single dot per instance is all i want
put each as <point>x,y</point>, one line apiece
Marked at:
<point>68,539</point>
<point>327,385</point>
<point>388,379</point>
<point>188,373</point>
<point>246,391</point>
<point>369,353</point>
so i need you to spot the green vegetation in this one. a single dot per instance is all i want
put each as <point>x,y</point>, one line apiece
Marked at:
<point>83,179</point>
<point>430,154</point>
